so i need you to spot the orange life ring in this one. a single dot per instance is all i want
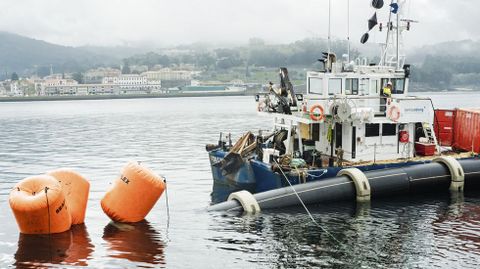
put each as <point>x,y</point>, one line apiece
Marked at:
<point>317,112</point>
<point>393,113</point>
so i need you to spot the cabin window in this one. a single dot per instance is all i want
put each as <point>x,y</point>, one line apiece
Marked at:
<point>315,85</point>
<point>335,86</point>
<point>389,129</point>
<point>351,86</point>
<point>375,87</point>
<point>363,86</point>
<point>398,84</point>
<point>372,129</point>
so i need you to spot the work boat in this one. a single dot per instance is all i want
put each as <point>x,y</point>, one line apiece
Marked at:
<point>346,119</point>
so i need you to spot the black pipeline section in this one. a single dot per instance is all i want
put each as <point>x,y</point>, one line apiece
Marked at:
<point>386,182</point>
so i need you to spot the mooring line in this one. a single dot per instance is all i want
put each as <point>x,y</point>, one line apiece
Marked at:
<point>168,207</point>
<point>305,207</point>
<point>49,229</point>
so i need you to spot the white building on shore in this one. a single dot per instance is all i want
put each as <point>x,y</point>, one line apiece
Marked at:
<point>15,89</point>
<point>133,84</point>
<point>56,86</point>
<point>3,91</point>
<point>94,76</point>
<point>115,85</point>
<point>169,74</point>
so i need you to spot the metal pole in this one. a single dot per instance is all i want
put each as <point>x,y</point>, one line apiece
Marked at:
<point>348,29</point>
<point>329,25</point>
<point>382,60</point>
<point>398,40</point>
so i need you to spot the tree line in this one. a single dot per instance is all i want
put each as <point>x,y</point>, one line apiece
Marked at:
<point>301,53</point>
<point>446,71</point>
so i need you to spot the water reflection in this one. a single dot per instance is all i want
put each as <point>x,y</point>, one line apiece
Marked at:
<point>72,247</point>
<point>416,231</point>
<point>136,242</point>
<point>457,227</point>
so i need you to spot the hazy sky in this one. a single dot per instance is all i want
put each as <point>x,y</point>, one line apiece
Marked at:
<point>167,22</point>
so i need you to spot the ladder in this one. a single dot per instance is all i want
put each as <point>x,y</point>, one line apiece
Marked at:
<point>430,135</point>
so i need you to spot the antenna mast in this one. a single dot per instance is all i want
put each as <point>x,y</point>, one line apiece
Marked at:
<point>348,29</point>
<point>329,24</point>
<point>397,40</point>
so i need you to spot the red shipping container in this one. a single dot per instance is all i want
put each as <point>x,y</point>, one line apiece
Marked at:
<point>445,138</point>
<point>443,126</point>
<point>424,149</point>
<point>444,115</point>
<point>467,130</point>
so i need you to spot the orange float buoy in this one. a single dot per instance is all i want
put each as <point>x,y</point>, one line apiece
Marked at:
<point>133,194</point>
<point>75,188</point>
<point>39,206</point>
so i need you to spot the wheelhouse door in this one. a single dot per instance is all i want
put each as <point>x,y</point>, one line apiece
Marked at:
<point>375,93</point>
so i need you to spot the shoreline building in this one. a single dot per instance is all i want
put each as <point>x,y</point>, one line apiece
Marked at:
<point>133,84</point>
<point>116,85</point>
<point>95,76</point>
<point>171,78</point>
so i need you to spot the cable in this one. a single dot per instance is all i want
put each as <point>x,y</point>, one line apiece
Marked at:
<point>314,176</point>
<point>48,209</point>
<point>167,205</point>
<point>49,231</point>
<point>305,207</point>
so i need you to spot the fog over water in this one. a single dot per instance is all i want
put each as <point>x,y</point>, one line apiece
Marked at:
<point>163,23</point>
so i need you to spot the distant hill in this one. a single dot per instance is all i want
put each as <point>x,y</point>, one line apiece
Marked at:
<point>460,49</point>
<point>117,52</point>
<point>26,55</point>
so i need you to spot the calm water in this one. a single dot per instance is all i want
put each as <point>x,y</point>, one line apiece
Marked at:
<point>97,138</point>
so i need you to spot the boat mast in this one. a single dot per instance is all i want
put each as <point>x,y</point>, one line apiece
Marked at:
<point>385,49</point>
<point>398,42</point>
<point>348,30</point>
<point>329,26</point>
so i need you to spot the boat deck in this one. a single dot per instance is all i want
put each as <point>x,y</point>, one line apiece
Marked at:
<point>456,155</point>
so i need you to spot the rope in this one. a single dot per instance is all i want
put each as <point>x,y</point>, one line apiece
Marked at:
<point>48,209</point>
<point>49,231</point>
<point>306,209</point>
<point>321,175</point>
<point>167,205</point>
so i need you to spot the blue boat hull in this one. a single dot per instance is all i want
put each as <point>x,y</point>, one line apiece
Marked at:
<point>257,176</point>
